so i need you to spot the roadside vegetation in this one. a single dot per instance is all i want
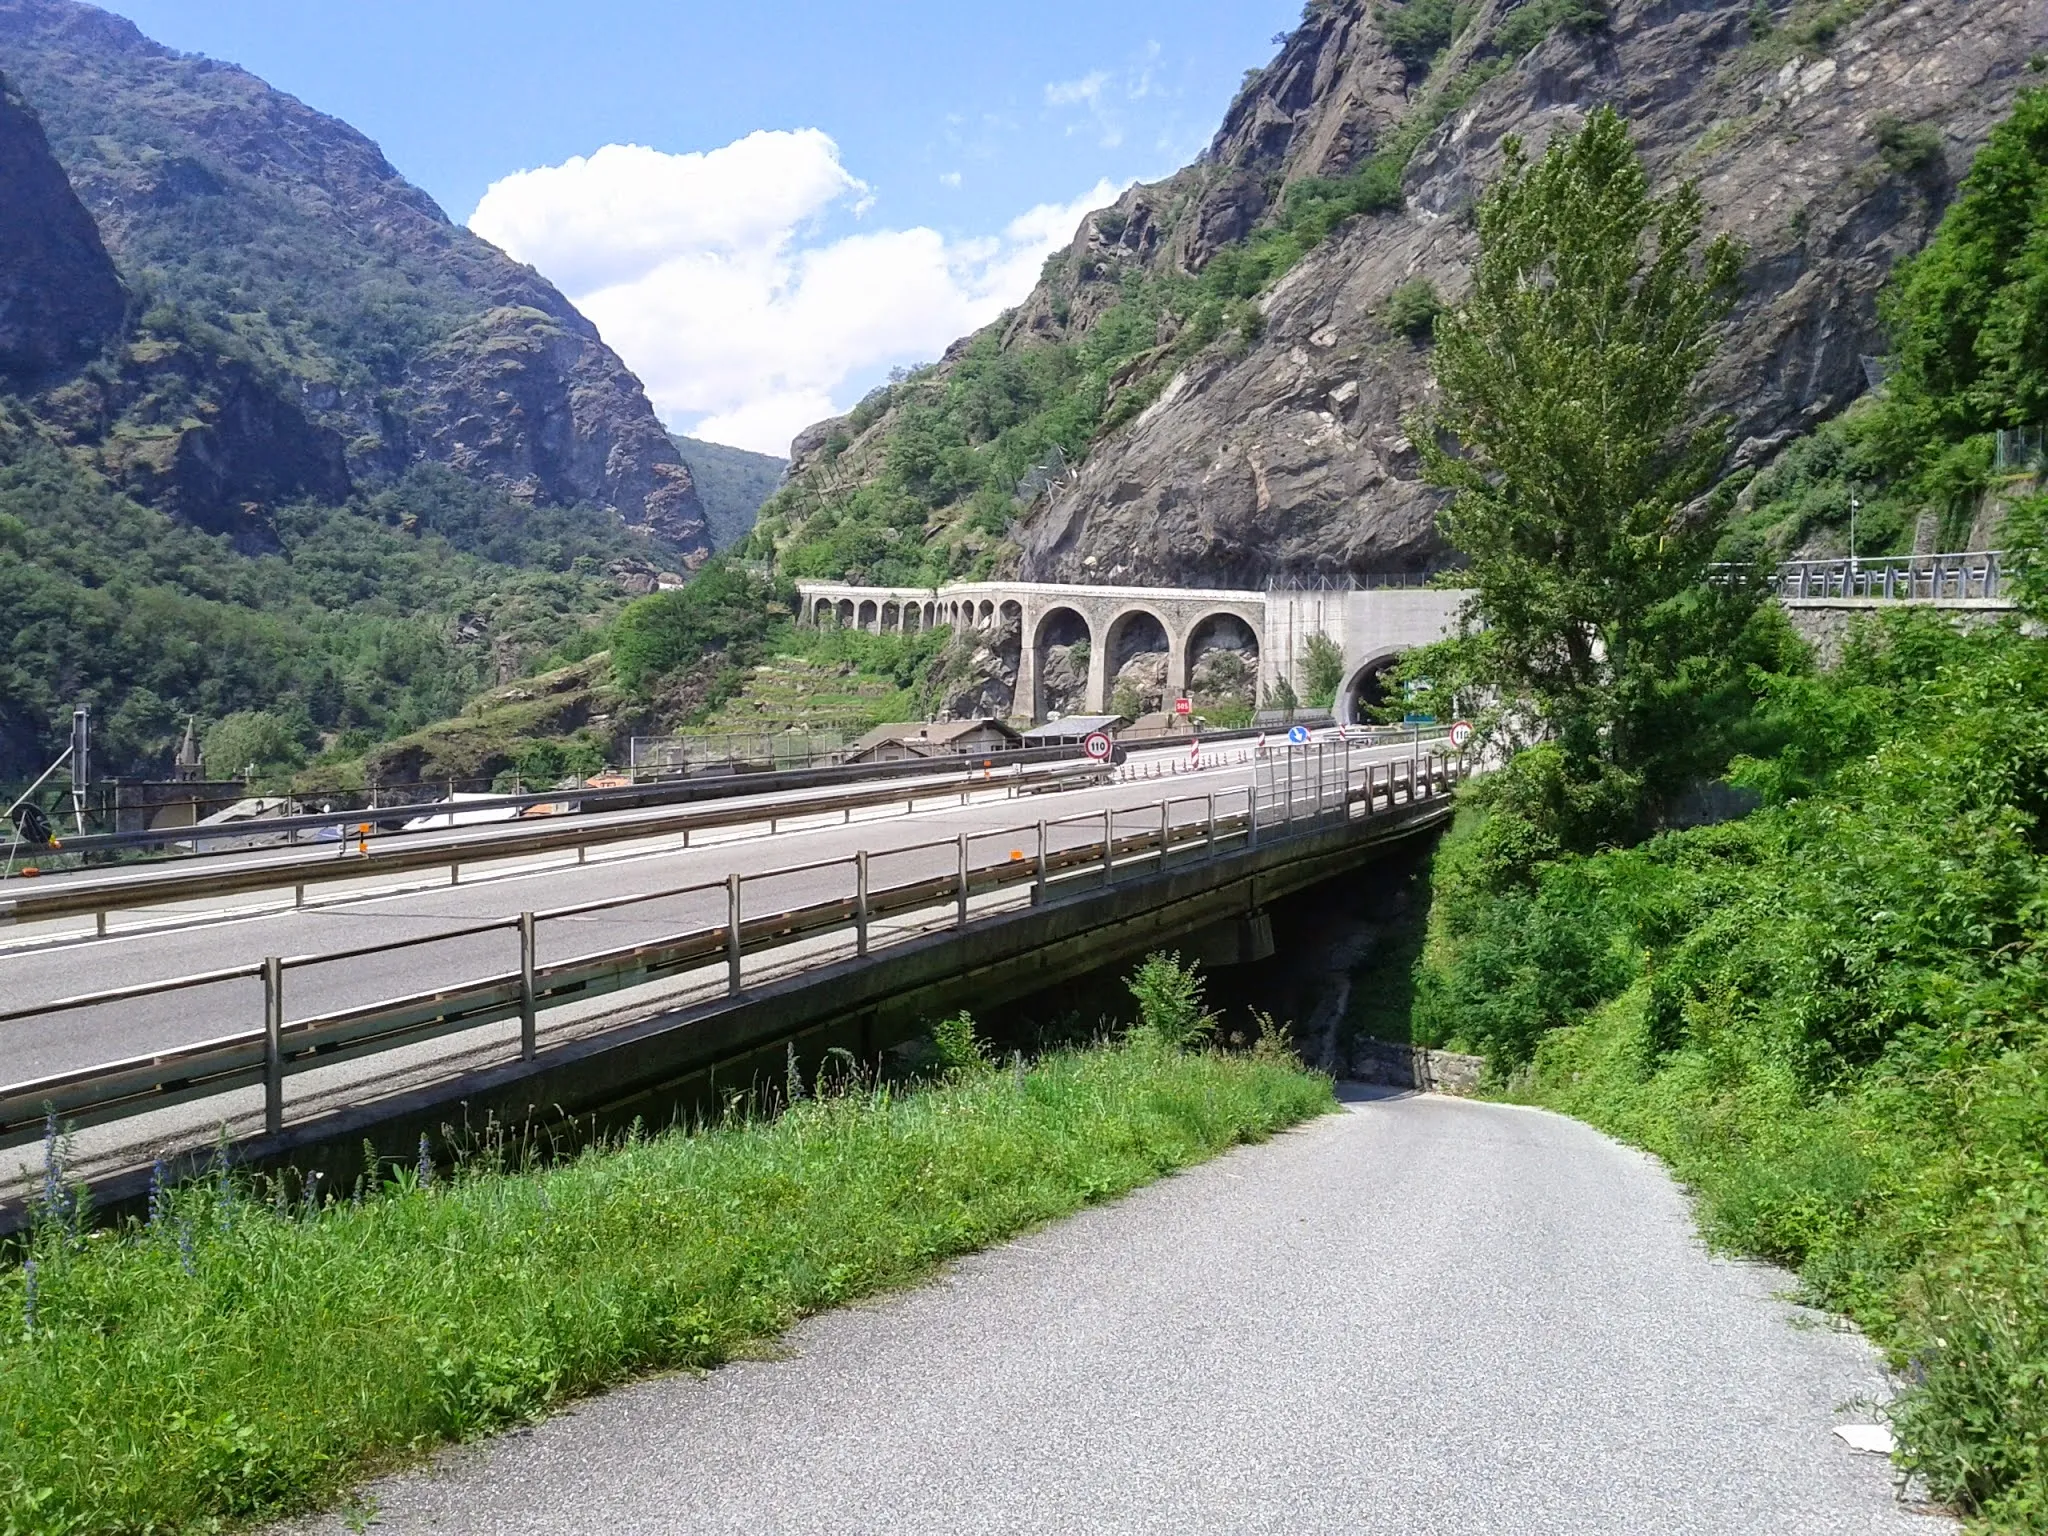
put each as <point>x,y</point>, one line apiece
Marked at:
<point>1830,1014</point>
<point>255,1346</point>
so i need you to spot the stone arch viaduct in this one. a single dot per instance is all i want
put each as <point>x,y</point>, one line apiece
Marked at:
<point>1371,626</point>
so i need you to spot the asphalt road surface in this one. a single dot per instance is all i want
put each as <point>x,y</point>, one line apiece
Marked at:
<point>1421,1316</point>
<point>415,907</point>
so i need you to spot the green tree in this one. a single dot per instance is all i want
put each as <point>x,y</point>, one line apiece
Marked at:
<point>252,740</point>
<point>1968,316</point>
<point>1322,666</point>
<point>1568,386</point>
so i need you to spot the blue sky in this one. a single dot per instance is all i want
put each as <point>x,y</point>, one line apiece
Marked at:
<point>947,143</point>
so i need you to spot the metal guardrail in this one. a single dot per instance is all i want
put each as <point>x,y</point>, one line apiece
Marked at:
<point>280,1048</point>
<point>1892,578</point>
<point>153,887</point>
<point>658,791</point>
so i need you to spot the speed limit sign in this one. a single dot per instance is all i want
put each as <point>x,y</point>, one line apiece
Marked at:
<point>1461,732</point>
<point>1097,745</point>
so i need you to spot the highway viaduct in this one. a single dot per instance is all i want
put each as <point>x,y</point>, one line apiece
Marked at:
<point>1371,624</point>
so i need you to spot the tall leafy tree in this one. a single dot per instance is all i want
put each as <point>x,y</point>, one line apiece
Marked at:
<point>1570,427</point>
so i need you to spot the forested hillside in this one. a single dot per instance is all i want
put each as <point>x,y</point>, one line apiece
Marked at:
<point>732,483</point>
<point>294,444</point>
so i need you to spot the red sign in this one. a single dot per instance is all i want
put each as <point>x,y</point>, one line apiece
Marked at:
<point>1097,745</point>
<point>1183,706</point>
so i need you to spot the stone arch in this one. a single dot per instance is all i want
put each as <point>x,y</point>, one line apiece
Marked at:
<point>1055,680</point>
<point>984,614</point>
<point>1222,654</point>
<point>1139,660</point>
<point>822,611</point>
<point>868,615</point>
<point>912,618</point>
<point>891,617</point>
<point>846,613</point>
<point>1366,688</point>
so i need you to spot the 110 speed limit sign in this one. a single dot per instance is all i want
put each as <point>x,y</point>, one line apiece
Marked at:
<point>1461,733</point>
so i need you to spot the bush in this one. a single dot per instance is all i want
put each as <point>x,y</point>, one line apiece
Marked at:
<point>1412,309</point>
<point>1907,147</point>
<point>1322,666</point>
<point>1170,1006</point>
<point>958,1051</point>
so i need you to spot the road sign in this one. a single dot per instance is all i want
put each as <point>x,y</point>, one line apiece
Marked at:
<point>1298,734</point>
<point>1461,732</point>
<point>1097,745</point>
<point>1183,706</point>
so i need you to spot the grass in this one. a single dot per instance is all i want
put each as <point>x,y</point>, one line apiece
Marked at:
<point>236,1359</point>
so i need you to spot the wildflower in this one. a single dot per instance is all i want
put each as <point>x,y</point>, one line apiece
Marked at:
<point>185,1261</point>
<point>426,1161</point>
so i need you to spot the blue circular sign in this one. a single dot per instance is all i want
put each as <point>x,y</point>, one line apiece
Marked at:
<point>1298,734</point>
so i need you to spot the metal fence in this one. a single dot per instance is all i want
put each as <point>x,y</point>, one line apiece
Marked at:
<point>1893,578</point>
<point>692,754</point>
<point>2020,449</point>
<point>536,961</point>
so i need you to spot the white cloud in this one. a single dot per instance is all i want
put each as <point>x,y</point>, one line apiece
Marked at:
<point>1099,94</point>
<point>713,275</point>
<point>1085,91</point>
<point>949,178</point>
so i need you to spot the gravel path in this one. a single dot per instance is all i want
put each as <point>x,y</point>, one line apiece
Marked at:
<point>1421,1316</point>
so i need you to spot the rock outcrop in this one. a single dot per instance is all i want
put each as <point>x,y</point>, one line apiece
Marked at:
<point>1827,138</point>
<point>400,334</point>
<point>60,300</point>
<point>1290,459</point>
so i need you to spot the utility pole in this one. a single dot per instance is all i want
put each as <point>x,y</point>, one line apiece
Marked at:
<point>81,764</point>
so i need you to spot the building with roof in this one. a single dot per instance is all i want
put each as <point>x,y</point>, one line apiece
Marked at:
<point>896,743</point>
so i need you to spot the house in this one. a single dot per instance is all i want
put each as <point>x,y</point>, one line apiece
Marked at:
<point>1073,728</point>
<point>895,743</point>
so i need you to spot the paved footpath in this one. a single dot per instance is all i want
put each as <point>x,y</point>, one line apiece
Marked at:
<point>1421,1316</point>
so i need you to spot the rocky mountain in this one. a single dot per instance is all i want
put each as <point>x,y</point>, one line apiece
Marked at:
<point>1245,339</point>
<point>335,327</point>
<point>60,299</point>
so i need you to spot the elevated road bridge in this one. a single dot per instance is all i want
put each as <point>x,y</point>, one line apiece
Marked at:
<point>630,975</point>
<point>1371,624</point>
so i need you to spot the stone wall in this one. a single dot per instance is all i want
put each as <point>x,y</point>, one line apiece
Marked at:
<point>1414,1066</point>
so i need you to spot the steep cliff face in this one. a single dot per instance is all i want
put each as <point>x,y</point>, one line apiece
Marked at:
<point>1290,460</point>
<point>60,300</point>
<point>400,335</point>
<point>1826,135</point>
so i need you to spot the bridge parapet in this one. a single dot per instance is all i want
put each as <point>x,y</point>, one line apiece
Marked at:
<point>1973,577</point>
